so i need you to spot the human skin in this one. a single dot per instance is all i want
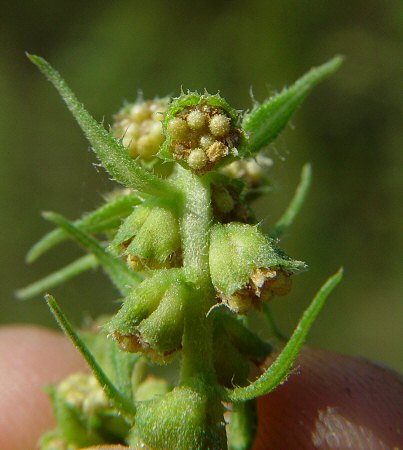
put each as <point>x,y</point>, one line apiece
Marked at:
<point>330,401</point>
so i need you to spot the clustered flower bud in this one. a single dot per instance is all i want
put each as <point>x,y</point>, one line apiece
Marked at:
<point>150,388</point>
<point>84,415</point>
<point>229,205</point>
<point>151,319</point>
<point>251,170</point>
<point>149,238</point>
<point>246,267</point>
<point>139,125</point>
<point>201,135</point>
<point>83,393</point>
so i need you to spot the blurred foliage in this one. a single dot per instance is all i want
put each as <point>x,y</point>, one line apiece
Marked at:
<point>349,129</point>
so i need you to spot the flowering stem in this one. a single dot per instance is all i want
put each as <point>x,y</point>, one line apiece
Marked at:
<point>195,227</point>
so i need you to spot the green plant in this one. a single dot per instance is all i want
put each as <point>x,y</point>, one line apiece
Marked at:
<point>185,252</point>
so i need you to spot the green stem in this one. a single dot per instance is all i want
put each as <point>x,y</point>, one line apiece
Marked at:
<point>273,323</point>
<point>195,226</point>
<point>197,361</point>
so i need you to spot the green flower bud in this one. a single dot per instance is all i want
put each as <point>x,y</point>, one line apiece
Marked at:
<point>140,128</point>
<point>149,238</point>
<point>152,316</point>
<point>246,267</point>
<point>84,414</point>
<point>251,171</point>
<point>228,203</point>
<point>201,130</point>
<point>185,418</point>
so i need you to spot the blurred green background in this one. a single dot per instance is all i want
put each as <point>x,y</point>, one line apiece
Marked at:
<point>350,129</point>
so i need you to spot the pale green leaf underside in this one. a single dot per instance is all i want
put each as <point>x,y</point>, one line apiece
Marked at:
<point>113,155</point>
<point>107,217</point>
<point>267,120</point>
<point>281,367</point>
<point>123,278</point>
<point>77,267</point>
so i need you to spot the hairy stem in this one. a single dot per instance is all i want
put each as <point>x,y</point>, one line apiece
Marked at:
<point>195,225</point>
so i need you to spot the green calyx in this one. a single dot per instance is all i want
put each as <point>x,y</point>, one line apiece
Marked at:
<point>151,319</point>
<point>185,418</point>
<point>149,238</point>
<point>179,242</point>
<point>247,267</point>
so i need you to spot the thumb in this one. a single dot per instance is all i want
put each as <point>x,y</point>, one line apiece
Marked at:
<point>333,401</point>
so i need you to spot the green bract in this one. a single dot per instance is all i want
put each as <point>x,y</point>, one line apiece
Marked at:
<point>246,266</point>
<point>149,238</point>
<point>151,319</point>
<point>178,241</point>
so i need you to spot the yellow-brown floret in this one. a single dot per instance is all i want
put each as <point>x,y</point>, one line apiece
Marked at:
<point>202,135</point>
<point>140,128</point>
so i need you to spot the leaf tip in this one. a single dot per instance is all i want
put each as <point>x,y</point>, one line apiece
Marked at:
<point>333,64</point>
<point>339,274</point>
<point>49,215</point>
<point>50,300</point>
<point>35,59</point>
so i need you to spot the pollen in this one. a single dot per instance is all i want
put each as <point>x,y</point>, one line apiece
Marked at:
<point>219,125</point>
<point>196,120</point>
<point>197,159</point>
<point>177,128</point>
<point>206,141</point>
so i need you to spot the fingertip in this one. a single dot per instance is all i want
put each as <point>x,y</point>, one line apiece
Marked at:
<point>31,358</point>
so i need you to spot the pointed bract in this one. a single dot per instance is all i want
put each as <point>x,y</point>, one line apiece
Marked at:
<point>265,122</point>
<point>110,151</point>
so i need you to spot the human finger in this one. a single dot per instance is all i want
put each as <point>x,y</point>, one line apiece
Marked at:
<point>333,401</point>
<point>30,358</point>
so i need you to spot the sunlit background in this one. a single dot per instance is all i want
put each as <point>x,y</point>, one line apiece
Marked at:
<point>349,128</point>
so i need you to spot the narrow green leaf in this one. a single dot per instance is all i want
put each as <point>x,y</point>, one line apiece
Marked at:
<point>281,367</point>
<point>113,155</point>
<point>107,217</point>
<point>87,262</point>
<point>267,120</point>
<point>119,401</point>
<point>123,278</point>
<point>296,203</point>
